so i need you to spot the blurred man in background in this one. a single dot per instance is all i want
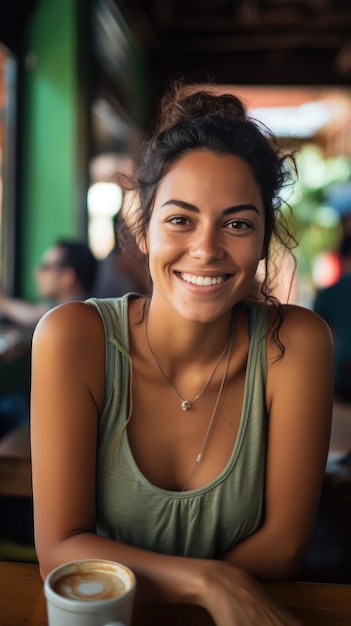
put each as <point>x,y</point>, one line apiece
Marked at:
<point>67,272</point>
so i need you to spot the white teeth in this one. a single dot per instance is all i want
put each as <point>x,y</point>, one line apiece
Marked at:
<point>202,280</point>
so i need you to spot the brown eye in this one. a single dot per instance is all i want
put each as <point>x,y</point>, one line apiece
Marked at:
<point>238,225</point>
<point>178,220</point>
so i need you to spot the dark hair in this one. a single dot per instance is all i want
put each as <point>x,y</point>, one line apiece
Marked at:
<point>78,256</point>
<point>194,118</point>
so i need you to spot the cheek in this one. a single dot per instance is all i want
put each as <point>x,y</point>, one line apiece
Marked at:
<point>155,251</point>
<point>161,243</point>
<point>160,254</point>
<point>249,256</point>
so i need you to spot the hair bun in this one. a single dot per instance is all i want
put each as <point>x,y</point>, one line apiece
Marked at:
<point>184,103</point>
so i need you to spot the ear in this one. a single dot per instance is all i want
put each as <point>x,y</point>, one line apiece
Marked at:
<point>143,243</point>
<point>128,210</point>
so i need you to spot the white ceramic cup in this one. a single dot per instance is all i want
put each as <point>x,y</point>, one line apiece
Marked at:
<point>90,592</point>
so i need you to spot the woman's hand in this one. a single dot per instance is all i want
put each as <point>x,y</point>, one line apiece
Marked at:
<point>233,598</point>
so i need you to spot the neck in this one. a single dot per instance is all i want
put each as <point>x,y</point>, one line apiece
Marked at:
<point>188,402</point>
<point>173,338</point>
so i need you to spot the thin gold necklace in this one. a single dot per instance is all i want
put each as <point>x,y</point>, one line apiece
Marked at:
<point>208,432</point>
<point>185,404</point>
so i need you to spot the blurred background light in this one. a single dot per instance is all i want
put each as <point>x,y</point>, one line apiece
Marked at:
<point>301,121</point>
<point>104,201</point>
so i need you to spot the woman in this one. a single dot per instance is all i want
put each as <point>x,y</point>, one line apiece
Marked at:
<point>186,434</point>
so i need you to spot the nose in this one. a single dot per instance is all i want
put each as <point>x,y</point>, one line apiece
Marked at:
<point>206,244</point>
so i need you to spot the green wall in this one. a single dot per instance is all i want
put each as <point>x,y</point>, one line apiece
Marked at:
<point>50,177</point>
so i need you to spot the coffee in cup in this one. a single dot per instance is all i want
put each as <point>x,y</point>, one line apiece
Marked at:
<point>90,592</point>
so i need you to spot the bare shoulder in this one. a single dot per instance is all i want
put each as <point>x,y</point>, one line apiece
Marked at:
<point>69,348</point>
<point>71,334</point>
<point>303,377</point>
<point>304,332</point>
<point>70,321</point>
<point>303,327</point>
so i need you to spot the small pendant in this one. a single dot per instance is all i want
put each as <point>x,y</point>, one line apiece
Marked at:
<point>186,405</point>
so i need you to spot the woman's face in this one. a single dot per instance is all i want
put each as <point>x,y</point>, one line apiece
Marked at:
<point>205,236</point>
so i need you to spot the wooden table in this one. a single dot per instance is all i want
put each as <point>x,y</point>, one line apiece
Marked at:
<point>22,602</point>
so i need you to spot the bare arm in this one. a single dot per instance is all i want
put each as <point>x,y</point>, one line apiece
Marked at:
<point>299,399</point>
<point>67,395</point>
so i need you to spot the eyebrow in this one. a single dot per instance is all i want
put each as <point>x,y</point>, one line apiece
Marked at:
<point>229,211</point>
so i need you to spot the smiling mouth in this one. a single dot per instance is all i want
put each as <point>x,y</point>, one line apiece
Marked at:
<point>203,281</point>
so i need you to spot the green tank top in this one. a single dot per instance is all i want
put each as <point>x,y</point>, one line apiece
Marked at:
<point>202,522</point>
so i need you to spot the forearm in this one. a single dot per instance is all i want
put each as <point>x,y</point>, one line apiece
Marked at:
<point>20,311</point>
<point>228,593</point>
<point>161,578</point>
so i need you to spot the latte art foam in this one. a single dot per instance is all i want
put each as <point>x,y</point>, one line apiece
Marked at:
<point>89,585</point>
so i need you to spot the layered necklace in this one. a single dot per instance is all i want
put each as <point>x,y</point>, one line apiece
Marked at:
<point>186,405</point>
<point>209,428</point>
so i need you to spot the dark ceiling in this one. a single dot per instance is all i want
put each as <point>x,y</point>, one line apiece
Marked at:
<point>248,42</point>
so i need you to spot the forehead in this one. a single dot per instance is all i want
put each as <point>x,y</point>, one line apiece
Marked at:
<point>205,174</point>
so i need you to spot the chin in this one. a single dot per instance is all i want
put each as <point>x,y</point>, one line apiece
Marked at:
<point>203,314</point>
